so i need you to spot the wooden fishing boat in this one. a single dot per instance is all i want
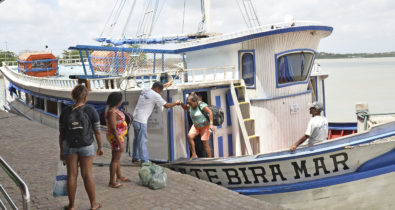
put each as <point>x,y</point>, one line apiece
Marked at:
<point>263,79</point>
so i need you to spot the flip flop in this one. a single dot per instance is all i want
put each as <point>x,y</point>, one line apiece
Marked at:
<point>98,207</point>
<point>117,185</point>
<point>124,179</point>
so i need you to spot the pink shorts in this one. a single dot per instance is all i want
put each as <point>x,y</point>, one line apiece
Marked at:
<point>203,131</point>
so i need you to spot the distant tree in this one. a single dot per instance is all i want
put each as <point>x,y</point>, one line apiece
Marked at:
<point>7,56</point>
<point>72,54</point>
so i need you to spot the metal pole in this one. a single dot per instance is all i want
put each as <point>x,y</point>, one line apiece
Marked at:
<point>18,181</point>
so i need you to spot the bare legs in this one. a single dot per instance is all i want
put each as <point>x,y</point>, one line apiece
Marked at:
<point>191,142</point>
<point>207,148</point>
<point>192,145</point>
<point>72,173</point>
<point>115,168</point>
<point>86,173</point>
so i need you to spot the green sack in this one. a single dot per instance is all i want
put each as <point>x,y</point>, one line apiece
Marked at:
<point>145,175</point>
<point>158,181</point>
<point>153,176</point>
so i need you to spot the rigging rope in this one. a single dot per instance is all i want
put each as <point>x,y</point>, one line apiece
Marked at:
<point>128,19</point>
<point>108,19</point>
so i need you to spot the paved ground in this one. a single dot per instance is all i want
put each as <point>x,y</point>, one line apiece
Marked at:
<point>32,151</point>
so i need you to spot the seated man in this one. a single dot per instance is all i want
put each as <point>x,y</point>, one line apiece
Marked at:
<point>317,129</point>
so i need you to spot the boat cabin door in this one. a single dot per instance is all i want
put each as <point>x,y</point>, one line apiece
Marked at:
<point>221,140</point>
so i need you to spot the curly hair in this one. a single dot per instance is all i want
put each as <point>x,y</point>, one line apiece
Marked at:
<point>193,97</point>
<point>79,92</point>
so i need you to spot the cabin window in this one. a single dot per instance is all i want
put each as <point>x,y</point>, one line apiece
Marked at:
<point>52,107</point>
<point>293,67</point>
<point>248,68</point>
<point>28,99</point>
<point>39,103</point>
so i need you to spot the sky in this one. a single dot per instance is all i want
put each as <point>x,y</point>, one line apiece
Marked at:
<point>359,25</point>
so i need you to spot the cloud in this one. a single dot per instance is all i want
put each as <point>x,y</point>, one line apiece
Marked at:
<point>359,26</point>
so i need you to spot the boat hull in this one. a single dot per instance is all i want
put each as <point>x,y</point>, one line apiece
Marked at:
<point>375,192</point>
<point>343,176</point>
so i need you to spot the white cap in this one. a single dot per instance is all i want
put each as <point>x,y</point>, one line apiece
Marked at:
<point>317,105</point>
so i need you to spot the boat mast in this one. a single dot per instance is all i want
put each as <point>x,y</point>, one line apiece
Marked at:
<point>207,10</point>
<point>205,23</point>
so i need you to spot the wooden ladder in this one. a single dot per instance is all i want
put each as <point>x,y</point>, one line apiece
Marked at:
<point>247,124</point>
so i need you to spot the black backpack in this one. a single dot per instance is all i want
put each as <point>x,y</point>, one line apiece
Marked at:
<point>218,114</point>
<point>79,130</point>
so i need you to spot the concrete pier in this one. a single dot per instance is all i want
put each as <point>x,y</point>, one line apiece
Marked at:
<point>32,150</point>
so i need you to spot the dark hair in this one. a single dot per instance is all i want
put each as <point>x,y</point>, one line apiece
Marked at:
<point>79,92</point>
<point>157,85</point>
<point>114,98</point>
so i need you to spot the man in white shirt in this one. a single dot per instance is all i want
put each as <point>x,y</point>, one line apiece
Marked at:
<point>317,129</point>
<point>149,97</point>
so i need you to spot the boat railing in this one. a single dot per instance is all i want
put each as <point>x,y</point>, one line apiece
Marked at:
<point>73,61</point>
<point>19,182</point>
<point>208,74</point>
<point>181,76</point>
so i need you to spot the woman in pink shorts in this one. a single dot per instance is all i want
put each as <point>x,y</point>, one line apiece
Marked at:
<point>202,119</point>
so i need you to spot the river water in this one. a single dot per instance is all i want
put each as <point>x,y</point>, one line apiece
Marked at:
<point>350,81</point>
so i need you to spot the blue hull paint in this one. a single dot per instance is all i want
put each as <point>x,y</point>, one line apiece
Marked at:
<point>372,168</point>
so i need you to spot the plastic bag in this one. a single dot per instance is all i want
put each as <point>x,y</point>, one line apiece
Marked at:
<point>158,181</point>
<point>153,176</point>
<point>145,175</point>
<point>60,184</point>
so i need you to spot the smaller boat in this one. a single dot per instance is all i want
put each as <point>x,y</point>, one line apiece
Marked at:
<point>38,64</point>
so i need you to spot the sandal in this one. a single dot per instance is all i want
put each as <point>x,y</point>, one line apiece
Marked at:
<point>117,185</point>
<point>124,179</point>
<point>98,206</point>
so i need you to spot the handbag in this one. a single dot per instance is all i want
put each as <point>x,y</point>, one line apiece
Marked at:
<point>60,183</point>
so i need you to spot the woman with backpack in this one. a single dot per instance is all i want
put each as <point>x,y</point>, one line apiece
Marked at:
<point>201,124</point>
<point>117,128</point>
<point>78,127</point>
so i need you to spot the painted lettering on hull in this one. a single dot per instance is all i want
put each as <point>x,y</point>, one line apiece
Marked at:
<point>272,172</point>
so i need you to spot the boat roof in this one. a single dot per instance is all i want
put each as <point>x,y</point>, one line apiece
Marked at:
<point>226,39</point>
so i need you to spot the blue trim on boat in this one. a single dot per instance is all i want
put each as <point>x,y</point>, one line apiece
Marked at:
<point>36,61</point>
<point>218,104</point>
<point>315,183</point>
<point>323,96</point>
<point>230,145</point>
<point>327,147</point>
<point>280,97</point>
<point>342,126</point>
<point>378,162</point>
<point>240,73</point>
<point>210,45</point>
<point>254,36</point>
<point>170,127</point>
<point>220,146</point>
<point>229,102</point>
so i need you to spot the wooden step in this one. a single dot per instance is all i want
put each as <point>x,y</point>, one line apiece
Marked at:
<point>243,102</point>
<point>254,141</point>
<point>250,126</point>
<point>245,109</point>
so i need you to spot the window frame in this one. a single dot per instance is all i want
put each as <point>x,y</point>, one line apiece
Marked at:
<point>241,53</point>
<point>278,55</point>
